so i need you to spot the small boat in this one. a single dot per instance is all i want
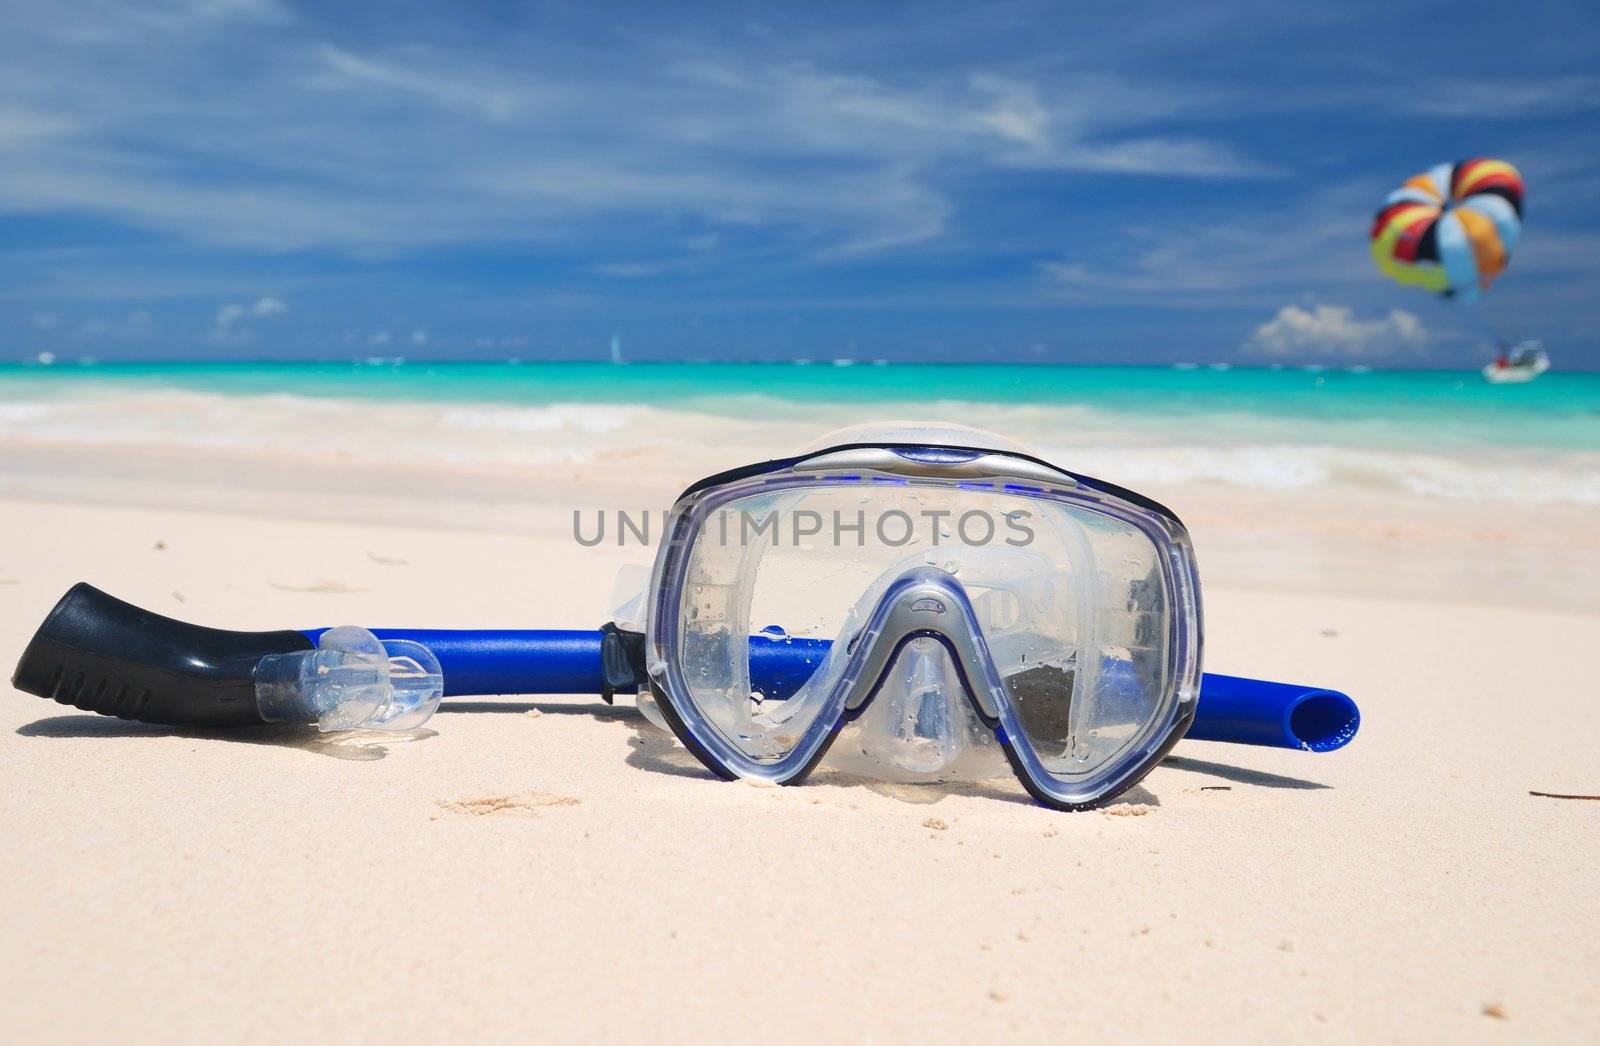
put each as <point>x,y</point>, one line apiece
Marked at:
<point>1522,362</point>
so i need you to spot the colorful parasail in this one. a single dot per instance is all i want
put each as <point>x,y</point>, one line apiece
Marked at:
<point>1451,228</point>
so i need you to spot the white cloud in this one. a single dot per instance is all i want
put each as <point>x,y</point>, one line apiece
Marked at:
<point>1336,330</point>
<point>230,323</point>
<point>263,307</point>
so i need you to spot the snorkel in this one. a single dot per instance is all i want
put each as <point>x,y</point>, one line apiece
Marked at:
<point>1070,657</point>
<point>100,654</point>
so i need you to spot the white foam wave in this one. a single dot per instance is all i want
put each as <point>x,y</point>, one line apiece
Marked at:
<point>1572,479</point>
<point>1238,451</point>
<point>290,425</point>
<point>589,420</point>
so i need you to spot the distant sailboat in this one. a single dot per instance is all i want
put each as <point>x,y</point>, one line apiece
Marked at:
<point>616,348</point>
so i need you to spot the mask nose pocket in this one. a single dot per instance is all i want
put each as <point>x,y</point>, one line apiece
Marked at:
<point>919,719</point>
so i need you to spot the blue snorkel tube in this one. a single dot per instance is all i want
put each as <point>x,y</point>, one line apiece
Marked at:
<point>100,654</point>
<point>1231,708</point>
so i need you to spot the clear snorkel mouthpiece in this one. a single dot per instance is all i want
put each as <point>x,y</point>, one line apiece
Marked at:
<point>352,681</point>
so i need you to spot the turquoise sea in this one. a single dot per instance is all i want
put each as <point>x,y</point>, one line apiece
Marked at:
<point>1435,433</point>
<point>1560,411</point>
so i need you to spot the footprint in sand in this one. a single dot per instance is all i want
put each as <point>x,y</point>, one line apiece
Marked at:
<point>522,804</point>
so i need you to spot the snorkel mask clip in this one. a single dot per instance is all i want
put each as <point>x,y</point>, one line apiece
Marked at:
<point>621,661</point>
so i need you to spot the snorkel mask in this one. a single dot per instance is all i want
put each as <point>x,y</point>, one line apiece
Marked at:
<point>920,604</point>
<point>912,603</point>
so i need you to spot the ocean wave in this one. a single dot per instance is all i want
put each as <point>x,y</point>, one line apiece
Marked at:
<point>583,418</point>
<point>1571,479</point>
<point>1234,450</point>
<point>295,426</point>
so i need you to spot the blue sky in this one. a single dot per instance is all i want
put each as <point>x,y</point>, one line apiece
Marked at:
<point>1004,181</point>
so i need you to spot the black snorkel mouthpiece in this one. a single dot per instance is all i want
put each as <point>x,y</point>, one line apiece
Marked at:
<point>97,653</point>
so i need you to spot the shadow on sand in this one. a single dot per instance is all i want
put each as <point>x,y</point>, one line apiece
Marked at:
<point>1240,775</point>
<point>363,745</point>
<point>659,752</point>
<point>653,750</point>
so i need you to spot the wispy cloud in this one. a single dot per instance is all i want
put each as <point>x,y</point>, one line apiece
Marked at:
<point>419,76</point>
<point>529,171</point>
<point>303,141</point>
<point>1508,98</point>
<point>125,327</point>
<point>1252,258</point>
<point>635,270</point>
<point>1071,123</point>
<point>21,126</point>
<point>180,13</point>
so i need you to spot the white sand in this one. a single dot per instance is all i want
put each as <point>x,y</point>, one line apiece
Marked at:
<point>556,868</point>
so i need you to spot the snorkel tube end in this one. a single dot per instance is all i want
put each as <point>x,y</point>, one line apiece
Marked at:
<point>1277,715</point>
<point>1324,720</point>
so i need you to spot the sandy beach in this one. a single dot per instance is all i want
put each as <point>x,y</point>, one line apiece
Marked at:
<point>557,868</point>
<point>423,316</point>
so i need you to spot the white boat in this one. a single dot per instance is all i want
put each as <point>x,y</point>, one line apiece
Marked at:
<point>1522,362</point>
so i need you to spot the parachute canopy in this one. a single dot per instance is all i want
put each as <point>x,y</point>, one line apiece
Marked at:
<point>1451,228</point>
